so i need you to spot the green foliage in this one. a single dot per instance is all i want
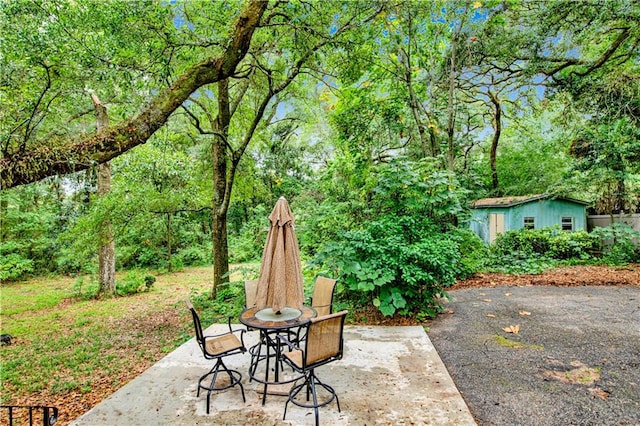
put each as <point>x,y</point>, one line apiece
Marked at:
<point>398,263</point>
<point>473,250</point>
<point>389,243</point>
<point>535,250</point>
<point>518,262</point>
<point>619,242</point>
<point>84,290</point>
<point>13,265</point>
<point>247,243</point>
<point>196,255</point>
<point>526,241</point>
<point>133,282</point>
<point>229,302</point>
<point>30,219</point>
<point>572,245</point>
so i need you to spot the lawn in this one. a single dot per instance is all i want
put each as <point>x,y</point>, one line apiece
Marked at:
<point>72,352</point>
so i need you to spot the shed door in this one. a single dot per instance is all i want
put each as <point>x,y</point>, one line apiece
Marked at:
<point>496,225</point>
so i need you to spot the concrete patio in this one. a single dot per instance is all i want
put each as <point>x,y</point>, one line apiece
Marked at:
<point>388,376</point>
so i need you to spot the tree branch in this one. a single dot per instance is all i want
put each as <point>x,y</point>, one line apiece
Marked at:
<point>45,159</point>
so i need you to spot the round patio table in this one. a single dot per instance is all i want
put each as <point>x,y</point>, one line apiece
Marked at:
<point>270,325</point>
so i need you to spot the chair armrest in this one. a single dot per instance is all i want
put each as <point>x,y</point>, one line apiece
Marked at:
<point>286,341</point>
<point>240,330</point>
<point>231,330</point>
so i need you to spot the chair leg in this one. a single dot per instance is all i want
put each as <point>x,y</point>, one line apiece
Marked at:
<point>231,380</point>
<point>315,399</point>
<point>235,378</point>
<point>310,385</point>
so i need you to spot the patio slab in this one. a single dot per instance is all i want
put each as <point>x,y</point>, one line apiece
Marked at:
<point>388,376</point>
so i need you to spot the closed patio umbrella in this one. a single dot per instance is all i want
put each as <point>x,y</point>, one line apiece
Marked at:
<point>280,282</point>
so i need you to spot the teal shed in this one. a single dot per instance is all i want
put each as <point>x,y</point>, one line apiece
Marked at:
<point>493,216</point>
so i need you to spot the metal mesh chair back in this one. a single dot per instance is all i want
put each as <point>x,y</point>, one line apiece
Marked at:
<point>197,325</point>
<point>324,339</point>
<point>216,347</point>
<point>322,299</point>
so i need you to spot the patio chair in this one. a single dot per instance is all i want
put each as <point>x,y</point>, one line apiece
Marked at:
<point>324,344</point>
<point>322,299</point>
<point>250,292</point>
<point>217,347</point>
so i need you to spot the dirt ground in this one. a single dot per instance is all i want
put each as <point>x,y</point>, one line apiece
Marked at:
<point>566,277</point>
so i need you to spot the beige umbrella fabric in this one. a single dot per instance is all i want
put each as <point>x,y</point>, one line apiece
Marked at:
<point>280,283</point>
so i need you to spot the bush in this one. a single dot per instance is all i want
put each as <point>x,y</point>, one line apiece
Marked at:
<point>529,241</point>
<point>473,250</point>
<point>14,266</point>
<point>133,282</point>
<point>399,263</point>
<point>572,245</point>
<point>518,262</point>
<point>194,255</point>
<point>535,250</point>
<point>619,243</point>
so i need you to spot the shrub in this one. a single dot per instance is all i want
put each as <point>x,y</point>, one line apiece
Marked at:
<point>194,255</point>
<point>518,262</point>
<point>14,266</point>
<point>528,241</point>
<point>619,244</point>
<point>535,250</point>
<point>134,281</point>
<point>571,245</point>
<point>473,250</point>
<point>399,263</point>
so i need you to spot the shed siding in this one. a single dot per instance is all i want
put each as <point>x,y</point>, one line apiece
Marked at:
<point>547,213</point>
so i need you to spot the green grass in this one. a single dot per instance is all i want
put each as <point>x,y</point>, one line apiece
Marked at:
<point>65,345</point>
<point>508,343</point>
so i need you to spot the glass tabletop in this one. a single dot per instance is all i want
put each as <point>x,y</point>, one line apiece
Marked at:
<point>267,319</point>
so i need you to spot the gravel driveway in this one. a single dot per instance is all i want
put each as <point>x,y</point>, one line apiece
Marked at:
<point>568,356</point>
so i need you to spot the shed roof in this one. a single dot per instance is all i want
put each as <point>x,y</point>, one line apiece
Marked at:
<point>516,200</point>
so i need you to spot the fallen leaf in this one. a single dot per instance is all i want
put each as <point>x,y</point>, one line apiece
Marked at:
<point>491,315</point>
<point>515,329</point>
<point>524,313</point>
<point>599,393</point>
<point>582,375</point>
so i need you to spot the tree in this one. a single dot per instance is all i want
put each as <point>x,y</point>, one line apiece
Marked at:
<point>292,46</point>
<point>588,51</point>
<point>106,252</point>
<point>28,157</point>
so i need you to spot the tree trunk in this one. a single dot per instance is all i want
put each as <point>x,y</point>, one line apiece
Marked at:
<point>106,252</point>
<point>451,107</point>
<point>497,130</point>
<point>219,160</point>
<point>169,242</point>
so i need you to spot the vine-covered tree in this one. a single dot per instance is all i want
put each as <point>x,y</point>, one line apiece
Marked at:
<point>48,55</point>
